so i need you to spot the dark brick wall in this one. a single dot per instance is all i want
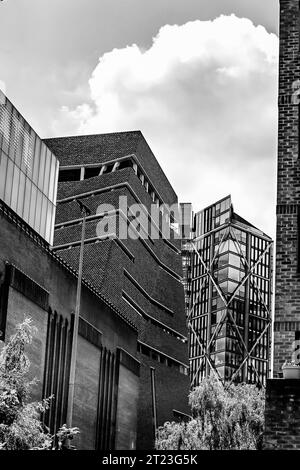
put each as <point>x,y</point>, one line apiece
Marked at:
<point>282,415</point>
<point>287,290</point>
<point>22,249</point>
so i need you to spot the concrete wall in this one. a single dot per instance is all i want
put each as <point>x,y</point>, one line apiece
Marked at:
<point>128,392</point>
<point>86,393</point>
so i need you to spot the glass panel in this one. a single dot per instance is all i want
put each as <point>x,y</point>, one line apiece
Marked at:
<point>234,260</point>
<point>222,274</point>
<point>36,163</point>
<point>53,212</point>
<point>223,247</point>
<point>47,173</point>
<point>28,185</point>
<point>3,167</point>
<point>13,136</point>
<point>34,191</point>
<point>37,222</point>
<point>15,188</point>
<point>234,274</point>
<point>228,286</point>
<point>55,182</point>
<point>52,176</point>
<point>224,218</point>
<point>221,344</point>
<point>225,205</point>
<point>48,221</point>
<point>223,260</point>
<point>8,183</point>
<point>42,167</point>
<point>21,194</point>
<point>43,216</point>
<point>27,154</point>
<point>18,142</point>
<point>5,128</point>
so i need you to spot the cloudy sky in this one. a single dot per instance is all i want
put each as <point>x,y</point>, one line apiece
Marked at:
<point>197,77</point>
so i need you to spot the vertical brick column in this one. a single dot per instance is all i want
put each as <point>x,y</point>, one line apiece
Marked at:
<point>287,290</point>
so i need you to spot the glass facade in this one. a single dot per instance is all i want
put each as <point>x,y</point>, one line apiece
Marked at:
<point>230,302</point>
<point>28,172</point>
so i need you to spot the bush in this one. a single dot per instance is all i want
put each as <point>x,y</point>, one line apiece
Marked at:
<point>20,424</point>
<point>223,418</point>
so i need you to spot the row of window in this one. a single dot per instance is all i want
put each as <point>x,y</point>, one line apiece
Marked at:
<point>257,370</point>
<point>228,259</point>
<point>150,319</point>
<point>226,358</point>
<point>87,172</point>
<point>213,217</point>
<point>162,358</point>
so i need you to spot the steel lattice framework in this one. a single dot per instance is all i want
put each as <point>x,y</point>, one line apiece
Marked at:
<point>242,325</point>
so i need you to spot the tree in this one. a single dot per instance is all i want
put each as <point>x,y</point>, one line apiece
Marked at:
<point>20,424</point>
<point>229,417</point>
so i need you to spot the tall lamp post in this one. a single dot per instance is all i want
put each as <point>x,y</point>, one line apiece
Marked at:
<point>85,211</point>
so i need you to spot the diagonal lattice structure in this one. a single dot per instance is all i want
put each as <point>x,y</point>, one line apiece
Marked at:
<point>229,310</point>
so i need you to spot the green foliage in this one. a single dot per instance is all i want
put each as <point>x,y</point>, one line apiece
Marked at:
<point>20,424</point>
<point>223,418</point>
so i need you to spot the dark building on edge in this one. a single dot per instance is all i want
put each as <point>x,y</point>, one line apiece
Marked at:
<point>131,370</point>
<point>229,278</point>
<point>283,395</point>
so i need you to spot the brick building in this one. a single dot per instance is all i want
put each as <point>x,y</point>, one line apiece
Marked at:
<point>141,275</point>
<point>132,334</point>
<point>287,292</point>
<point>283,396</point>
<point>36,282</point>
<point>229,311</point>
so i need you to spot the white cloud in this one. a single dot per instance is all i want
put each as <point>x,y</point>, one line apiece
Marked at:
<point>204,96</point>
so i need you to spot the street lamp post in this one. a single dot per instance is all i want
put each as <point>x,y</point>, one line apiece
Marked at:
<point>84,212</point>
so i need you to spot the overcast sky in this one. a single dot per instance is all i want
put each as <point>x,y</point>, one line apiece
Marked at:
<point>197,77</point>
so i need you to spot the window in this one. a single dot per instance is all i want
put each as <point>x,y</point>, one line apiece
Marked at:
<point>108,168</point>
<point>69,175</point>
<point>125,164</point>
<point>92,172</point>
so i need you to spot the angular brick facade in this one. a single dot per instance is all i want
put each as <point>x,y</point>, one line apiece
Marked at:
<point>141,277</point>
